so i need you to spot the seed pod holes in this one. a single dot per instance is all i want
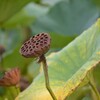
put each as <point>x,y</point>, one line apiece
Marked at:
<point>36,45</point>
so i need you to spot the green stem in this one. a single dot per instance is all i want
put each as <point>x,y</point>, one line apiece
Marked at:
<point>93,86</point>
<point>45,68</point>
<point>17,89</point>
<point>9,93</point>
<point>9,96</point>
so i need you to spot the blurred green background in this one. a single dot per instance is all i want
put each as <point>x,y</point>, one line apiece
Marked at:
<point>64,20</point>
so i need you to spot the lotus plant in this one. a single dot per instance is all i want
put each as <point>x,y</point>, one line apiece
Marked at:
<point>36,47</point>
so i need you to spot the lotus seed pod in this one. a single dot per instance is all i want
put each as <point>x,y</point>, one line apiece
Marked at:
<point>36,46</point>
<point>11,78</point>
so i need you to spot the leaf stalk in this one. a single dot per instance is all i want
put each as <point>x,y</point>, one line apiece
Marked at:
<point>42,59</point>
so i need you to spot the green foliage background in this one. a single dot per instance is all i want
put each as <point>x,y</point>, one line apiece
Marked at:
<point>64,20</point>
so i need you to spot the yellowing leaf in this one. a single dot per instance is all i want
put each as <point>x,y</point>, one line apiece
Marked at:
<point>68,67</point>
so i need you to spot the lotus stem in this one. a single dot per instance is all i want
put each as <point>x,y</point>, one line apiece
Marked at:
<point>45,68</point>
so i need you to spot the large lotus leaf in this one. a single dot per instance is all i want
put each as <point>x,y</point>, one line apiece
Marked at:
<point>68,67</point>
<point>67,17</point>
<point>22,18</point>
<point>9,8</point>
<point>26,16</point>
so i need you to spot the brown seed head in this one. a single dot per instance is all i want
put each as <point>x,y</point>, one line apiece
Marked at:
<point>36,45</point>
<point>10,78</point>
<point>2,49</point>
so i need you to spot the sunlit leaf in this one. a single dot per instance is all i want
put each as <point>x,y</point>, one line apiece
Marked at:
<point>26,16</point>
<point>9,8</point>
<point>20,19</point>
